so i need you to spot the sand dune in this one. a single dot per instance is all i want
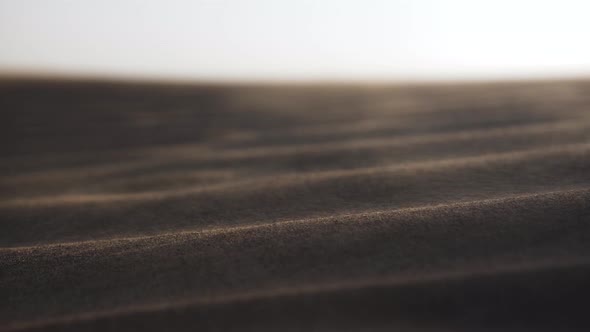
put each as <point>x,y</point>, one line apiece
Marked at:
<point>155,207</point>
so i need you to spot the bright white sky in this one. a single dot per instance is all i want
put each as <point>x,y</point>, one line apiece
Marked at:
<point>297,39</point>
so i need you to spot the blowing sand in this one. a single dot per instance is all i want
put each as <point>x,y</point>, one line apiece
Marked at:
<point>329,208</point>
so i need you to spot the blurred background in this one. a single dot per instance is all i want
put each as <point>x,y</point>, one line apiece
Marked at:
<point>270,185</point>
<point>305,40</point>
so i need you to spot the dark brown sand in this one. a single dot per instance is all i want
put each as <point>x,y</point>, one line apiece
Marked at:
<point>315,208</point>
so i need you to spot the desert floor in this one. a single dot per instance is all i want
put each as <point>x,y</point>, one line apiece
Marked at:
<point>457,207</point>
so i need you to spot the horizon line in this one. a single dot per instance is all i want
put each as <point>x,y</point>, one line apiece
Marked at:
<point>93,77</point>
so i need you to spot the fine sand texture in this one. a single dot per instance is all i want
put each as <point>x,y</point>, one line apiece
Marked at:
<point>177,207</point>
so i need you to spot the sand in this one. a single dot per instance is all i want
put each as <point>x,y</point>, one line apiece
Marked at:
<point>440,207</point>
